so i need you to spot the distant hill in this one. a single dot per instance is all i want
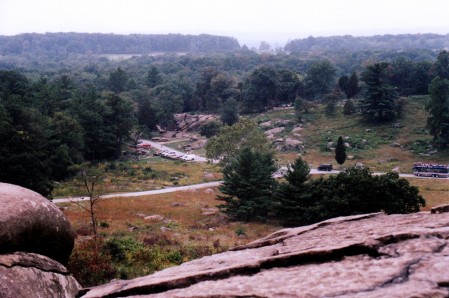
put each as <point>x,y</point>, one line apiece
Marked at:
<point>363,43</point>
<point>61,44</point>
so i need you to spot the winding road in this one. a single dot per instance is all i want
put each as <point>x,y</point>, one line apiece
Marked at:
<point>199,186</point>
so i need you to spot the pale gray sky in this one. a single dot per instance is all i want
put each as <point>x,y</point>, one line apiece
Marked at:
<point>250,21</point>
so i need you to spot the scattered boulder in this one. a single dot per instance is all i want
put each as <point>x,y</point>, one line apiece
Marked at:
<point>186,122</point>
<point>265,124</point>
<point>275,130</point>
<point>292,143</point>
<point>31,223</point>
<point>154,217</point>
<point>209,190</point>
<point>209,211</point>
<point>33,275</point>
<point>370,255</point>
<point>297,129</point>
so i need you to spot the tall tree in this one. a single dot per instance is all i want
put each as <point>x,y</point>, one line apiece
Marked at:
<point>248,185</point>
<point>260,89</point>
<point>320,79</point>
<point>229,113</point>
<point>154,77</point>
<point>232,139</point>
<point>441,66</point>
<point>379,101</point>
<point>352,89</point>
<point>438,108</point>
<point>293,196</point>
<point>120,118</point>
<point>340,151</point>
<point>118,80</point>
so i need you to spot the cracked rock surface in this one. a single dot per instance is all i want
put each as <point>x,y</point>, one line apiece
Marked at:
<point>33,275</point>
<point>373,255</point>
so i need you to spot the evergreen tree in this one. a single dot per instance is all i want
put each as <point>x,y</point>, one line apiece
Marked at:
<point>352,88</point>
<point>379,101</point>
<point>154,77</point>
<point>118,80</point>
<point>348,108</point>
<point>293,197</point>
<point>340,151</point>
<point>438,108</point>
<point>441,66</point>
<point>248,185</point>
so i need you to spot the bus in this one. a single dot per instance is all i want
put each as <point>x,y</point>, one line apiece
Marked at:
<point>430,170</point>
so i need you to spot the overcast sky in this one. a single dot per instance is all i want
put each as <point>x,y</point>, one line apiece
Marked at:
<point>250,21</point>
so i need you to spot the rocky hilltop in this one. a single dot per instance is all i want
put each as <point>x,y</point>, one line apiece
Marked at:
<point>371,255</point>
<point>374,255</point>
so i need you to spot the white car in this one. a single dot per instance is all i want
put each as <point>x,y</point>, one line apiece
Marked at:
<point>188,157</point>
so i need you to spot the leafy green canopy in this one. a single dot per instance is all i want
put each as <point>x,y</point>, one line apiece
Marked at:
<point>232,139</point>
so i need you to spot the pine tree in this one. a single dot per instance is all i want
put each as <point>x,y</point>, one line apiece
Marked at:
<point>248,185</point>
<point>438,108</point>
<point>340,151</point>
<point>379,101</point>
<point>292,197</point>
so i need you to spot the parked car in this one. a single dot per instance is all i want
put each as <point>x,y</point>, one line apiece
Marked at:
<point>325,167</point>
<point>188,157</point>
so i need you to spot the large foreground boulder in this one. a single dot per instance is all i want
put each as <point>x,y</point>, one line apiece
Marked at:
<point>31,223</point>
<point>33,275</point>
<point>374,255</point>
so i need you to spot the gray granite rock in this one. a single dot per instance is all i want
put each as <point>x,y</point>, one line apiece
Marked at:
<point>372,255</point>
<point>33,275</point>
<point>31,223</point>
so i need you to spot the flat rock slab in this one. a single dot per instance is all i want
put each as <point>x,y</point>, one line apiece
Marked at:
<point>373,255</point>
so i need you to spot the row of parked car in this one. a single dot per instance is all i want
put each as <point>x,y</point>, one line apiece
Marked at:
<point>175,155</point>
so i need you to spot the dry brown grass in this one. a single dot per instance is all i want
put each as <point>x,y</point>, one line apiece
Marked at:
<point>435,191</point>
<point>183,211</point>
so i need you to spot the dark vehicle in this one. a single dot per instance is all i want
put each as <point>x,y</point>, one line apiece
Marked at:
<point>325,167</point>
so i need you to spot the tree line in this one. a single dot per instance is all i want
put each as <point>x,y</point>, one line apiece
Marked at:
<point>57,119</point>
<point>250,193</point>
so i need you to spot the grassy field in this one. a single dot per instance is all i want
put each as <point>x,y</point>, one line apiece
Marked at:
<point>141,235</point>
<point>146,174</point>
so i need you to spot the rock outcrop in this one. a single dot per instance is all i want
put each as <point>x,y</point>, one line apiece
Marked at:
<point>373,255</point>
<point>35,238</point>
<point>33,275</point>
<point>31,223</point>
<point>186,122</point>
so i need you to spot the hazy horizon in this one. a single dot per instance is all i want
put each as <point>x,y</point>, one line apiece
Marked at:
<point>249,22</point>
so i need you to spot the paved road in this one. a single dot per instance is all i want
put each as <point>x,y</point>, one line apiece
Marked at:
<point>203,185</point>
<point>143,193</point>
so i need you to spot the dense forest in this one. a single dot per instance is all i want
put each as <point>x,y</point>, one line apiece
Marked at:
<point>61,44</point>
<point>350,43</point>
<point>61,106</point>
